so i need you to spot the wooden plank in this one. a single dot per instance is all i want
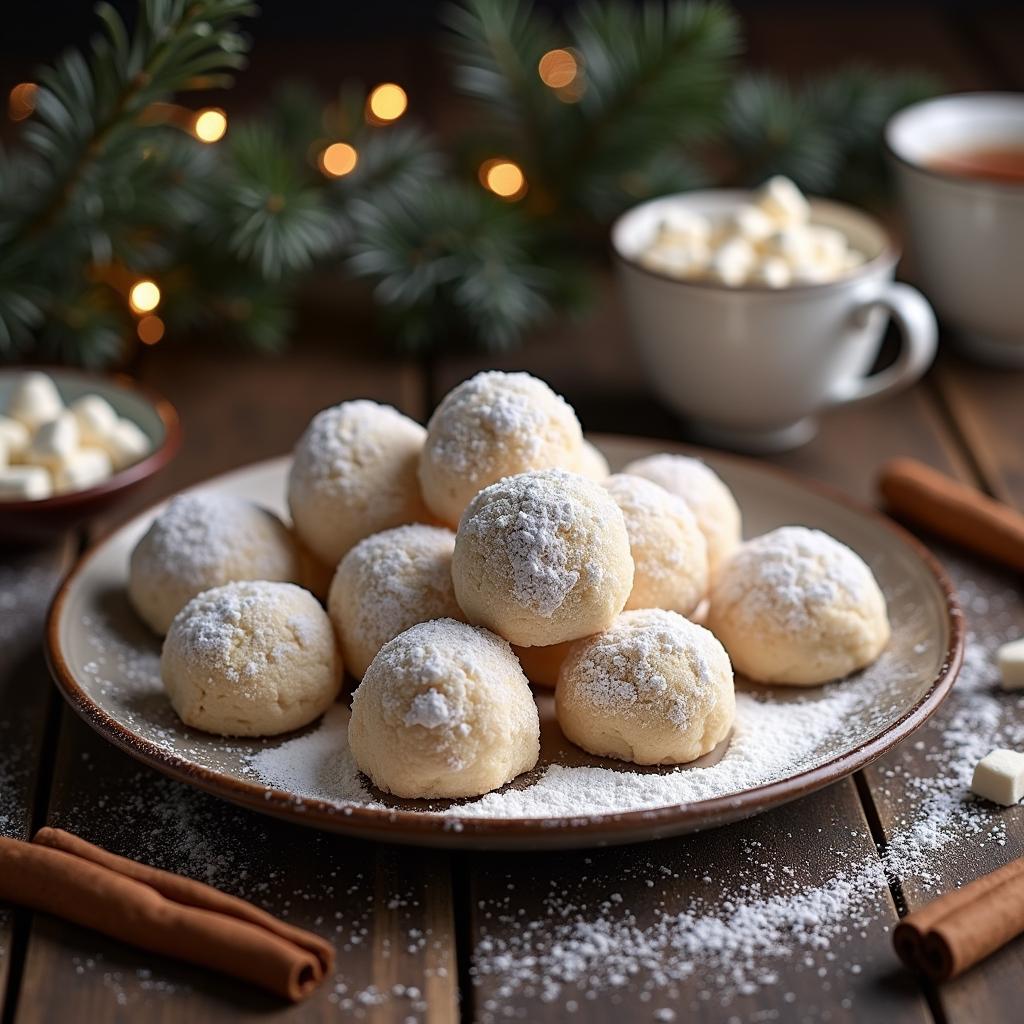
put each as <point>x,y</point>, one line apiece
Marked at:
<point>989,414</point>
<point>388,912</point>
<point>28,578</point>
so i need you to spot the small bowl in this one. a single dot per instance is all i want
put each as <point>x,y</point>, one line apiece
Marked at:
<point>45,518</point>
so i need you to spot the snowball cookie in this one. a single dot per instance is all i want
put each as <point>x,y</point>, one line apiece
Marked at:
<point>542,664</point>
<point>542,557</point>
<point>251,659</point>
<point>491,426</point>
<point>387,583</point>
<point>203,540</point>
<point>702,489</point>
<point>796,606</point>
<point>354,474</point>
<point>444,710</point>
<point>670,555</point>
<point>653,689</point>
<point>592,462</point>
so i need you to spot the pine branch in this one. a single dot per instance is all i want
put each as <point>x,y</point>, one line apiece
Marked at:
<point>82,105</point>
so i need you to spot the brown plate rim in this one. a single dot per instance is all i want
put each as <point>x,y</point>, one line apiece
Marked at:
<point>392,825</point>
<point>133,474</point>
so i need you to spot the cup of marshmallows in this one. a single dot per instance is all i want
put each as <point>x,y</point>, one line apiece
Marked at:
<point>464,561</point>
<point>755,311</point>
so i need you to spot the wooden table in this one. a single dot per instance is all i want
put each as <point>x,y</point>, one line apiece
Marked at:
<point>436,936</point>
<point>418,931</point>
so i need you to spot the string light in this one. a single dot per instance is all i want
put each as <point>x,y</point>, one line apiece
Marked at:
<point>338,159</point>
<point>388,102</point>
<point>209,125</point>
<point>150,330</point>
<point>22,101</point>
<point>504,178</point>
<point>558,68</point>
<point>144,296</point>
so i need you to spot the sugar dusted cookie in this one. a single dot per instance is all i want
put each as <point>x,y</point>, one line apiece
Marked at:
<point>654,688</point>
<point>670,555</point>
<point>796,606</point>
<point>444,710</point>
<point>592,462</point>
<point>251,659</point>
<point>354,474</point>
<point>203,540</point>
<point>387,583</point>
<point>542,557</point>
<point>491,426</point>
<point>702,489</point>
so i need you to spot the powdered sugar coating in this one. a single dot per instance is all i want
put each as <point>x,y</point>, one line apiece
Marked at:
<point>491,426</point>
<point>707,496</point>
<point>654,688</point>
<point>204,540</point>
<point>387,583</point>
<point>354,474</point>
<point>797,606</point>
<point>252,658</point>
<point>452,701</point>
<point>542,557</point>
<point>670,554</point>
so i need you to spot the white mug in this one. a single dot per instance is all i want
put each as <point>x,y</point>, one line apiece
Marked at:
<point>966,235</point>
<point>752,366</point>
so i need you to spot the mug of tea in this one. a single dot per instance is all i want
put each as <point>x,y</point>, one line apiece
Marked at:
<point>752,366</point>
<point>960,170</point>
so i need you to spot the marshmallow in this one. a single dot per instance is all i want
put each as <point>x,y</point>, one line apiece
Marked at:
<point>96,418</point>
<point>126,444</point>
<point>770,242</point>
<point>999,777</point>
<point>684,227</point>
<point>53,442</point>
<point>783,202</point>
<point>35,400</point>
<point>15,437</point>
<point>21,483</point>
<point>773,272</point>
<point>752,223</point>
<point>731,264</point>
<point>82,469</point>
<point>677,260</point>
<point>1010,659</point>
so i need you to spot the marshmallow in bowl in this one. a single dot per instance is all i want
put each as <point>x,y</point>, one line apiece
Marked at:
<point>48,448</point>
<point>769,242</point>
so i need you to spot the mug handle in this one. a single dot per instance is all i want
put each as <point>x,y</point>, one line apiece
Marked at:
<point>919,335</point>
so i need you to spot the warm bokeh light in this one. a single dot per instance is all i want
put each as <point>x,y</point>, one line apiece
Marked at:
<point>22,100</point>
<point>387,102</point>
<point>557,68</point>
<point>150,330</point>
<point>504,178</point>
<point>339,159</point>
<point>144,296</point>
<point>210,125</point>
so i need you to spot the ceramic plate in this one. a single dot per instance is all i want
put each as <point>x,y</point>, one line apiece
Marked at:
<point>786,742</point>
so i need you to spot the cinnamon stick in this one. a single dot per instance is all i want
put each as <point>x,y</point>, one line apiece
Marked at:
<point>925,497</point>
<point>958,930</point>
<point>160,912</point>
